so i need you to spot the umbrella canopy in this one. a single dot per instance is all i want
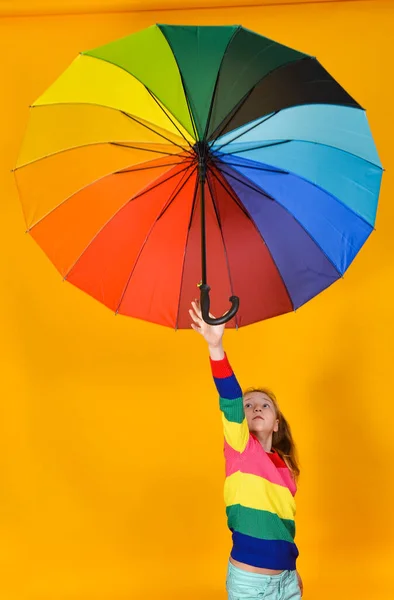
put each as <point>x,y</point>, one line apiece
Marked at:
<point>182,153</point>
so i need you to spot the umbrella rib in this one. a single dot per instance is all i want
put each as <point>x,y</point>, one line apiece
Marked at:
<point>312,183</point>
<point>278,68</point>
<point>231,192</point>
<point>240,105</point>
<point>91,144</point>
<point>147,189</point>
<point>183,87</point>
<point>168,116</point>
<point>244,99</point>
<point>126,145</point>
<point>255,124</point>
<point>242,102</point>
<point>147,89</point>
<point>261,191</point>
<point>267,168</point>
<point>258,147</point>
<point>174,194</point>
<point>223,241</point>
<point>69,197</point>
<point>188,104</point>
<point>238,202</point>
<point>154,131</point>
<point>184,149</point>
<point>217,81</point>
<point>131,170</point>
<point>161,182</point>
<point>287,141</point>
<point>249,185</point>
<point>184,253</point>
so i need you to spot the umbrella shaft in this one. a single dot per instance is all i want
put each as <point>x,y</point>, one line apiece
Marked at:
<point>202,170</point>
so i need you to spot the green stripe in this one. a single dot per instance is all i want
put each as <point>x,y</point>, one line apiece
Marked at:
<point>199,52</point>
<point>233,409</point>
<point>147,55</point>
<point>260,523</point>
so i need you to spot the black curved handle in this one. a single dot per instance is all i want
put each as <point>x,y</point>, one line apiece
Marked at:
<point>205,305</point>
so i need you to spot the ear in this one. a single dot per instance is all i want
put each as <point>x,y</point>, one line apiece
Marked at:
<point>276,426</point>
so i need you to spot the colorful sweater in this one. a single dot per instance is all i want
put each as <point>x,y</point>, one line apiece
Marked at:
<point>259,489</point>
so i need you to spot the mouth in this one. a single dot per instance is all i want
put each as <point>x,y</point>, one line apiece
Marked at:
<point>254,418</point>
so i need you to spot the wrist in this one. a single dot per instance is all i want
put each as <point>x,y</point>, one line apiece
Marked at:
<point>216,351</point>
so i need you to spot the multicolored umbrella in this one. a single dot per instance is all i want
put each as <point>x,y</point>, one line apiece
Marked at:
<point>181,152</point>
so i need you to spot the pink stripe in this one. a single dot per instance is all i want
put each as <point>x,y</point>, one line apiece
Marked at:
<point>255,461</point>
<point>287,478</point>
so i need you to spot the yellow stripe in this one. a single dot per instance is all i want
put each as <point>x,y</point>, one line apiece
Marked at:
<point>93,81</point>
<point>255,492</point>
<point>58,127</point>
<point>236,434</point>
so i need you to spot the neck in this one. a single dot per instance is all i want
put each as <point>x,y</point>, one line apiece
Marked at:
<point>265,440</point>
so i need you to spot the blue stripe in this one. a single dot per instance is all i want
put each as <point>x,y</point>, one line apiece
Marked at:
<point>303,266</point>
<point>341,127</point>
<point>266,554</point>
<point>354,181</point>
<point>336,229</point>
<point>228,387</point>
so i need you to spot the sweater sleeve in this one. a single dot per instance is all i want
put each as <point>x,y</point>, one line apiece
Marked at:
<point>236,431</point>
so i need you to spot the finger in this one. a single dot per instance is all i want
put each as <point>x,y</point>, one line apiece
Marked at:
<point>195,318</point>
<point>196,328</point>
<point>196,306</point>
<point>197,303</point>
<point>197,309</point>
<point>194,314</point>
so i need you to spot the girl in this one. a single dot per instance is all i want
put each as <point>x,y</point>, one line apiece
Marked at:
<point>261,473</point>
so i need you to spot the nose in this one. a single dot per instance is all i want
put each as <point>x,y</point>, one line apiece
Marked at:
<point>257,409</point>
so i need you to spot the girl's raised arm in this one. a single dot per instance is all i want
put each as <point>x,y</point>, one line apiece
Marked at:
<point>235,426</point>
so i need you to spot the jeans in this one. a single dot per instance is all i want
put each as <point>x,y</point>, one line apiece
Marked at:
<point>242,585</point>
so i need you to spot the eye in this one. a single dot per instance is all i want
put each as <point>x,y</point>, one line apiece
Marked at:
<point>266,404</point>
<point>248,405</point>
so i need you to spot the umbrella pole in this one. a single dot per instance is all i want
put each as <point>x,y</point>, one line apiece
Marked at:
<point>204,287</point>
<point>202,173</point>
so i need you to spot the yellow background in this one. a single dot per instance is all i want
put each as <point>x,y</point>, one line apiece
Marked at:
<point>111,444</point>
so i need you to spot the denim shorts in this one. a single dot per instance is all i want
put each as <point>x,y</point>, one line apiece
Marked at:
<point>242,585</point>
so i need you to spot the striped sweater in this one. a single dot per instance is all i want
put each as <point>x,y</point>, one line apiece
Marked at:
<point>259,489</point>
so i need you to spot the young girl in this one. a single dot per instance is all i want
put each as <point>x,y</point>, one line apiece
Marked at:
<point>261,473</point>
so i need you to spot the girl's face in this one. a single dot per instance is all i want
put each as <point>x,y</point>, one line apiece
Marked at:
<point>260,413</point>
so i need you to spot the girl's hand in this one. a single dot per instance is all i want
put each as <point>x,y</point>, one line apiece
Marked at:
<point>212,334</point>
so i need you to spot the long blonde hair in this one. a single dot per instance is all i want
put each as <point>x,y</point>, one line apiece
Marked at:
<point>282,440</point>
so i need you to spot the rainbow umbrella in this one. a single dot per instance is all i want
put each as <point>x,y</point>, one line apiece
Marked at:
<point>178,151</point>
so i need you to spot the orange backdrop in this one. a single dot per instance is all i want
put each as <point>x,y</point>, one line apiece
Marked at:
<point>111,444</point>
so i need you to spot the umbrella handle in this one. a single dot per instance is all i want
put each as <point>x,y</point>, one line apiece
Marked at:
<point>205,305</point>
